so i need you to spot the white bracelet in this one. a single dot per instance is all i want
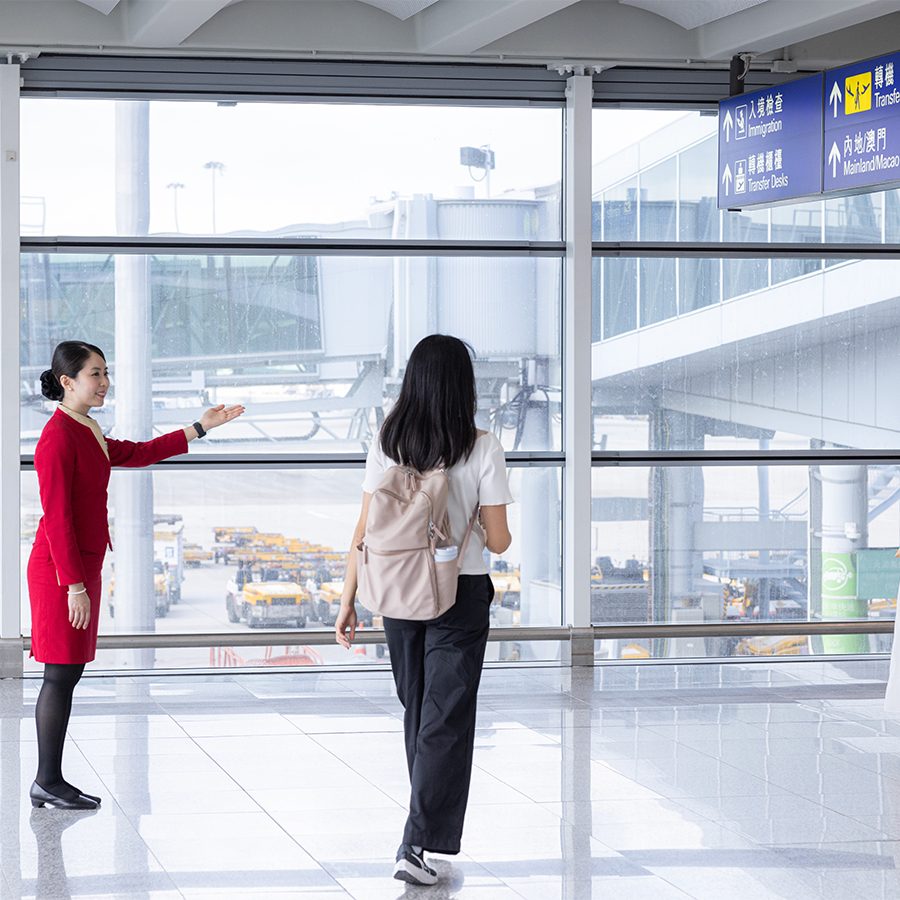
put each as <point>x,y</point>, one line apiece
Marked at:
<point>76,593</point>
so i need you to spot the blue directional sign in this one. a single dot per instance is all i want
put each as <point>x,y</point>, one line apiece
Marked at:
<point>862,125</point>
<point>770,145</point>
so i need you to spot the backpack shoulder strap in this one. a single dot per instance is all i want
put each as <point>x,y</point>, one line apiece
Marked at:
<point>465,544</point>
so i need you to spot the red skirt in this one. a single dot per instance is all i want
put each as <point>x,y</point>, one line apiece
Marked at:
<point>53,639</point>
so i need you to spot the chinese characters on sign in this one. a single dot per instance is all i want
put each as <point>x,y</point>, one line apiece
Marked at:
<point>862,125</point>
<point>770,144</point>
<point>837,133</point>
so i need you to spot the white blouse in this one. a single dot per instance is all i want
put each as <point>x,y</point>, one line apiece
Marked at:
<point>481,479</point>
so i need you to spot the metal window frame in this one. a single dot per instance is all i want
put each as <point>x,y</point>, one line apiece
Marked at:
<point>229,80</point>
<point>572,635</point>
<point>639,458</point>
<point>10,529</point>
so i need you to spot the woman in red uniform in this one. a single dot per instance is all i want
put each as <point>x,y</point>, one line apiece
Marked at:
<point>73,461</point>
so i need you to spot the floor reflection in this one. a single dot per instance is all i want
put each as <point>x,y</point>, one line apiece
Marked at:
<point>663,782</point>
<point>48,826</point>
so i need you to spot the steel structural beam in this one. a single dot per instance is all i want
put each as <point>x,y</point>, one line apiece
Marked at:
<point>577,358</point>
<point>10,531</point>
<point>550,633</point>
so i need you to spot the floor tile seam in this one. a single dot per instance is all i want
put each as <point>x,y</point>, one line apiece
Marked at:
<point>227,774</point>
<point>841,842</point>
<point>830,716</point>
<point>674,801</point>
<point>294,840</point>
<point>851,758</point>
<point>108,787</point>
<point>814,875</point>
<point>894,779</point>
<point>506,784</point>
<point>151,855</point>
<point>83,745</point>
<point>714,758</point>
<point>355,771</point>
<point>742,822</point>
<point>657,729</point>
<point>861,817</point>
<point>672,885</point>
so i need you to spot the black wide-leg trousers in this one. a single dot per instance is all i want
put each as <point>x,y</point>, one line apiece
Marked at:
<point>437,669</point>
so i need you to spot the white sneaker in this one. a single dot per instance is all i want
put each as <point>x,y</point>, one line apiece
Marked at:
<point>412,868</point>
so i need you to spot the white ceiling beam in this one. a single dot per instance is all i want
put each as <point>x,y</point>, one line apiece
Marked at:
<point>166,23</point>
<point>780,23</point>
<point>462,26</point>
<point>103,6</point>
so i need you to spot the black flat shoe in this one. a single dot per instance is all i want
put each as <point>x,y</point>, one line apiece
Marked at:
<point>40,797</point>
<point>96,800</point>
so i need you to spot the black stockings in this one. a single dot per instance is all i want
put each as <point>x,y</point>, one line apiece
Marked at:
<point>51,714</point>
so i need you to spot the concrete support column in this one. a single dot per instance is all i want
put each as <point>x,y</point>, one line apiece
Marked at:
<point>676,505</point>
<point>10,529</point>
<point>844,530</point>
<point>135,602</point>
<point>577,355</point>
<point>540,602</point>
<point>414,314</point>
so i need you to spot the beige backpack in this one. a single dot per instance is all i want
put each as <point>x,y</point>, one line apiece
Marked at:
<point>407,527</point>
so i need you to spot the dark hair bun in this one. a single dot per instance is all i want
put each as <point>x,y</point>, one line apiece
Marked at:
<point>50,386</point>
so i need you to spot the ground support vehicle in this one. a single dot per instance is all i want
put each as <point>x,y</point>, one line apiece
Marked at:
<point>773,645</point>
<point>260,603</point>
<point>329,605</point>
<point>168,548</point>
<point>161,593</point>
<point>234,534</point>
<point>507,589</point>
<point>195,555</point>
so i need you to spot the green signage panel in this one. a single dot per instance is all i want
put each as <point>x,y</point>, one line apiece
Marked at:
<point>877,574</point>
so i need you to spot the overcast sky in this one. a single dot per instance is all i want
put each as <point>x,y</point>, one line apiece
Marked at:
<point>287,163</point>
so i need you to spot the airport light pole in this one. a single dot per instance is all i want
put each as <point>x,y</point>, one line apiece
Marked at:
<point>214,167</point>
<point>175,187</point>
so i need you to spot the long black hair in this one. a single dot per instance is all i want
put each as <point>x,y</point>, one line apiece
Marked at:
<point>432,423</point>
<point>69,358</point>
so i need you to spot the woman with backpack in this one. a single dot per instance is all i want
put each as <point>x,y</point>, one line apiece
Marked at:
<point>430,437</point>
<point>73,459</point>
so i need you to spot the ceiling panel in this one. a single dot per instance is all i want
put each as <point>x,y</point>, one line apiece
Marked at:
<point>401,9</point>
<point>693,13</point>
<point>104,6</point>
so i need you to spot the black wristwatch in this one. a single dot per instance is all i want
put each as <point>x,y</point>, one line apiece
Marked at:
<point>201,431</point>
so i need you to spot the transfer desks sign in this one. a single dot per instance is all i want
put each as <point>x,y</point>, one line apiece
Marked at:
<point>862,125</point>
<point>820,136</point>
<point>770,145</point>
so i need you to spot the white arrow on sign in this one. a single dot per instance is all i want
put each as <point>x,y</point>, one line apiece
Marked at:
<point>834,157</point>
<point>835,98</point>
<point>726,178</point>
<point>727,124</point>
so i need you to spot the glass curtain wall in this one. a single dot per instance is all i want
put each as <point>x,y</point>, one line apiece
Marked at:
<point>314,345</point>
<point>765,353</point>
<point>700,354</point>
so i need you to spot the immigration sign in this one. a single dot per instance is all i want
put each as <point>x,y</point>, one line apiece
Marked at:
<point>770,145</point>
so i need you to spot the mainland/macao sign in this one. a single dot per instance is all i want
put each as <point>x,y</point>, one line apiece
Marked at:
<point>822,135</point>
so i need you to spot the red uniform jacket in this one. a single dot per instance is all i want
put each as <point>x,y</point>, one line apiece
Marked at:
<point>73,475</point>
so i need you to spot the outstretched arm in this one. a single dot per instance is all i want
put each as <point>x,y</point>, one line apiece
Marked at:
<point>135,454</point>
<point>213,418</point>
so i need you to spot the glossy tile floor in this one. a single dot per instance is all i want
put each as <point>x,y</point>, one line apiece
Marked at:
<point>735,781</point>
